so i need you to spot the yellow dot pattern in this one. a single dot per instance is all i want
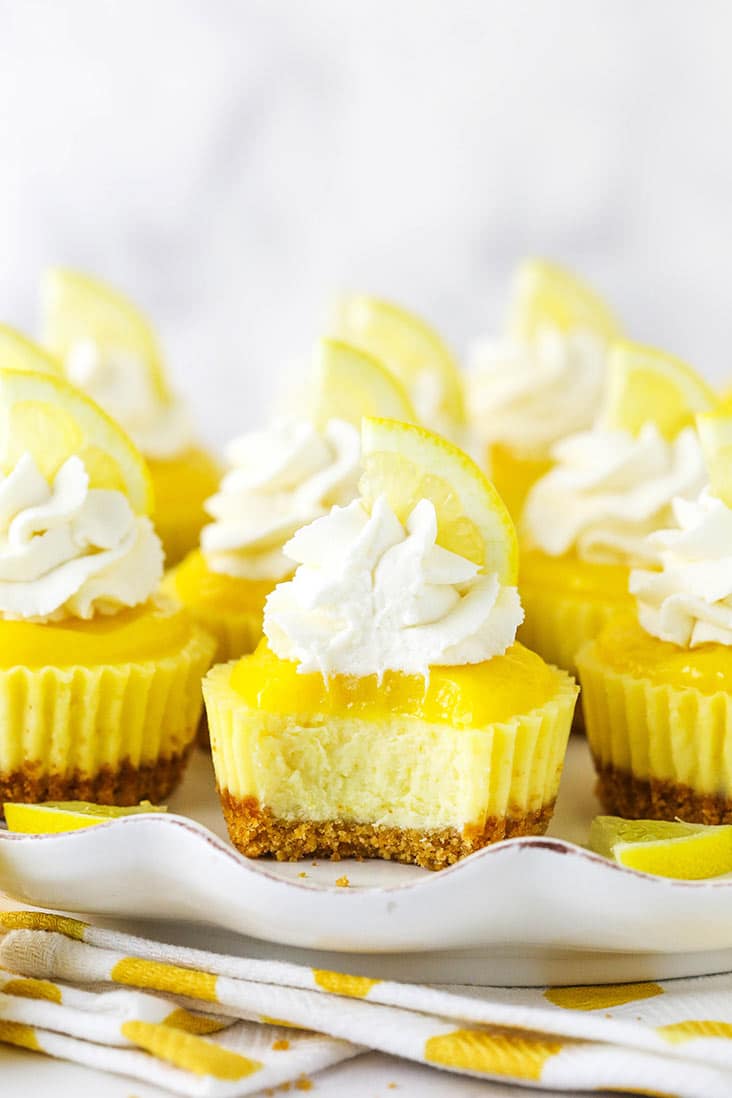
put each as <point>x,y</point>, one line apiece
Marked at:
<point>338,983</point>
<point>678,1032</point>
<point>189,1052</point>
<point>14,1033</point>
<point>601,998</point>
<point>516,1053</point>
<point>193,1023</point>
<point>41,920</point>
<point>158,976</point>
<point>27,988</point>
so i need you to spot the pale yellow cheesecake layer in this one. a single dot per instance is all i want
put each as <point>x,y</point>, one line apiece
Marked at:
<point>656,711</point>
<point>82,697</point>
<point>478,741</point>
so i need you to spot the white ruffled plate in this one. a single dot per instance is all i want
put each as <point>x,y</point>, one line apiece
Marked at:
<point>533,910</point>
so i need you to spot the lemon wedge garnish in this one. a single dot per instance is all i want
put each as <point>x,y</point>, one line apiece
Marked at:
<point>649,386</point>
<point>407,463</point>
<point>546,295</point>
<point>19,353</point>
<point>76,307</point>
<point>53,817</point>
<point>715,432</point>
<point>687,852</point>
<point>350,384</point>
<point>50,419</point>
<point>410,349</point>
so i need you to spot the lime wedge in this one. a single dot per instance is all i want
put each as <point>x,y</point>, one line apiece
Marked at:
<point>664,848</point>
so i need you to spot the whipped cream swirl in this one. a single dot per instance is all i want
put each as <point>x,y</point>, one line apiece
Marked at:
<point>609,490</point>
<point>282,478</point>
<point>120,382</point>
<point>530,393</point>
<point>371,595</point>
<point>68,550</point>
<point>689,602</point>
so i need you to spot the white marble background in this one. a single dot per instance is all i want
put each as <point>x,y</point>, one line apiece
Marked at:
<point>232,163</point>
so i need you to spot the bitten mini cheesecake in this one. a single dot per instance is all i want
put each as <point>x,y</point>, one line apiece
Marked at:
<point>109,350</point>
<point>389,712</point>
<point>99,677</point>
<point>657,681</point>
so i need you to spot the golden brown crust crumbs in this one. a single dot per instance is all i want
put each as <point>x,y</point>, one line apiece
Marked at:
<point>343,882</point>
<point>123,785</point>
<point>622,794</point>
<point>256,832</point>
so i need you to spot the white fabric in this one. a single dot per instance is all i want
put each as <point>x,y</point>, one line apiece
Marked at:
<point>670,1037</point>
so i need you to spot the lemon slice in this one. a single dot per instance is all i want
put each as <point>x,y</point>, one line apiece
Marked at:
<point>52,817</point>
<point>351,384</point>
<point>19,353</point>
<point>407,463</point>
<point>664,848</point>
<point>411,349</point>
<point>76,307</point>
<point>547,295</point>
<point>50,419</point>
<point>645,385</point>
<point>715,432</point>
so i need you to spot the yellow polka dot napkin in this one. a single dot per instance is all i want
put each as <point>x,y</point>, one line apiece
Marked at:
<point>209,1025</point>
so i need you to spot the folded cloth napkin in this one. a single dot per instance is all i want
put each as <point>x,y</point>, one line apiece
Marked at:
<point>205,1024</point>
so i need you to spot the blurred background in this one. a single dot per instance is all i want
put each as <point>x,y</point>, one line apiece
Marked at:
<point>231,164</point>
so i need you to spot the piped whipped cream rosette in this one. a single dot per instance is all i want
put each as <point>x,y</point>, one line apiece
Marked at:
<point>656,680</point>
<point>109,350</point>
<point>542,380</point>
<point>279,479</point>
<point>388,711</point>
<point>586,521</point>
<point>98,675</point>
<point>371,595</point>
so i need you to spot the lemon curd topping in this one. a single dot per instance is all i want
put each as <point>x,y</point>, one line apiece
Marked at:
<point>152,631</point>
<point>186,479</point>
<point>196,585</point>
<point>572,575</point>
<point>464,696</point>
<point>626,647</point>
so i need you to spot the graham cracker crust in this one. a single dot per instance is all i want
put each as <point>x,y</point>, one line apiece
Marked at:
<point>622,794</point>
<point>255,831</point>
<point>122,785</point>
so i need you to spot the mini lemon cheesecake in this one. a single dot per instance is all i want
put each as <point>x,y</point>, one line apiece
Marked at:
<point>542,381</point>
<point>279,479</point>
<point>657,681</point>
<point>388,712</point>
<point>108,349</point>
<point>585,523</point>
<point>99,677</point>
